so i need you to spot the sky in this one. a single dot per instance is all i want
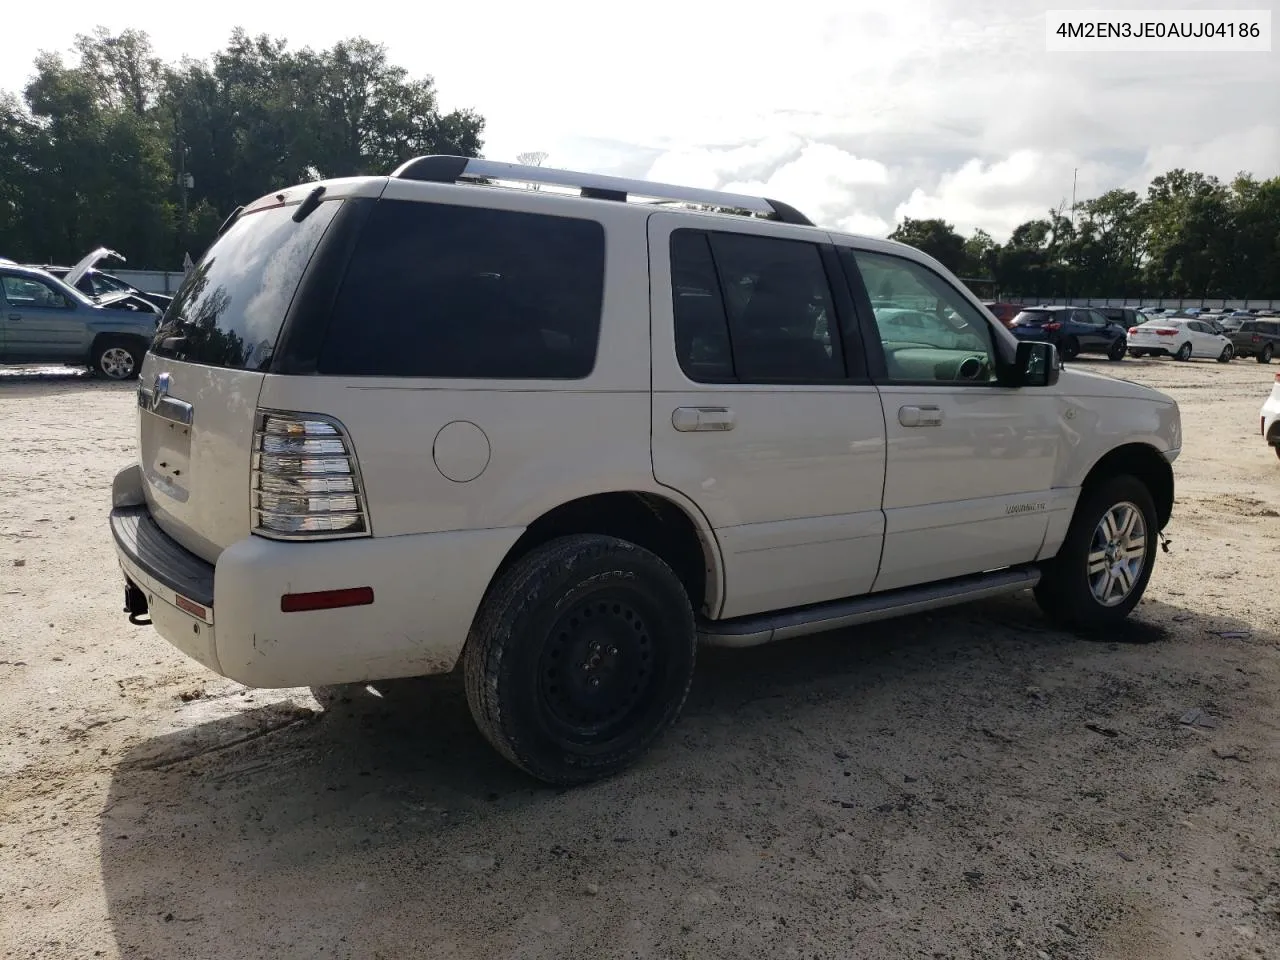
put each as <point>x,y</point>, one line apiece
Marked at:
<point>858,113</point>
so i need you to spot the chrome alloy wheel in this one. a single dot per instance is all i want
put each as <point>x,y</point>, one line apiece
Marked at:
<point>116,363</point>
<point>1117,554</point>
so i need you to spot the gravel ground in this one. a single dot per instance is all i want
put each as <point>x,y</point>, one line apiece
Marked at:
<point>963,784</point>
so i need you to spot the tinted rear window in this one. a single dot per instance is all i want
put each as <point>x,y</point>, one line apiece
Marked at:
<point>229,310</point>
<point>1032,317</point>
<point>435,290</point>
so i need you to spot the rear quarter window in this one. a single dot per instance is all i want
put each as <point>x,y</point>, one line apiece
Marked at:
<point>444,291</point>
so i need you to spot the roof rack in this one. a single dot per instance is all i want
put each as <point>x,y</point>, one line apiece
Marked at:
<point>445,169</point>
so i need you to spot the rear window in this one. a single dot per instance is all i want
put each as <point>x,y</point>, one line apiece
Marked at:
<point>1032,317</point>
<point>229,310</point>
<point>436,290</point>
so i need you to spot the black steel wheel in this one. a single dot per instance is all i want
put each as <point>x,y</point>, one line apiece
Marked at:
<point>580,657</point>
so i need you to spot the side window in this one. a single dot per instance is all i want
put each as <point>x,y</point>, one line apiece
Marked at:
<point>929,330</point>
<point>27,292</point>
<point>701,327</point>
<point>782,324</point>
<point>437,290</point>
<point>1097,319</point>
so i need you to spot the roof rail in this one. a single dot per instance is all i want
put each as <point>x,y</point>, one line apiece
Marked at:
<point>444,169</point>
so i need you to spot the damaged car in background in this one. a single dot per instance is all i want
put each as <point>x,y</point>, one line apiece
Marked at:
<point>107,289</point>
<point>45,320</point>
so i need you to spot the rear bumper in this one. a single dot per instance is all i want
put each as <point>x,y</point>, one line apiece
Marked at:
<point>426,588</point>
<point>1156,349</point>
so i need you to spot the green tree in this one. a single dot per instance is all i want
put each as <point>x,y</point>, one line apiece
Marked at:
<point>935,237</point>
<point>92,153</point>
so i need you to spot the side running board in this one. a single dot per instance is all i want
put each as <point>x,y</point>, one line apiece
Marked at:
<point>820,617</point>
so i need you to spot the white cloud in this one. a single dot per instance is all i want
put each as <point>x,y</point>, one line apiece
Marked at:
<point>856,113</point>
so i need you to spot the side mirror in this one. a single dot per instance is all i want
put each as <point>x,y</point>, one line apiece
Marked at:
<point>1035,365</point>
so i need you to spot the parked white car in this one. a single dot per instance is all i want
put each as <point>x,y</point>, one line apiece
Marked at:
<point>1270,416</point>
<point>395,424</point>
<point>1182,338</point>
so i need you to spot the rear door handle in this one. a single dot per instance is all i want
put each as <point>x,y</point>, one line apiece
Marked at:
<point>702,419</point>
<point>925,416</point>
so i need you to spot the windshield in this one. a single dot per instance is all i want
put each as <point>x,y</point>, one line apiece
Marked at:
<point>230,308</point>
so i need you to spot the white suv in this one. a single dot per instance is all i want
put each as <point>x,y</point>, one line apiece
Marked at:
<point>391,425</point>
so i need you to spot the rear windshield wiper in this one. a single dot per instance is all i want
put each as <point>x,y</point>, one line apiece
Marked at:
<point>308,205</point>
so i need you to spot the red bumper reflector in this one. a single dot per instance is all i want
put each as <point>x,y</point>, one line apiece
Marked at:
<point>190,606</point>
<point>326,599</point>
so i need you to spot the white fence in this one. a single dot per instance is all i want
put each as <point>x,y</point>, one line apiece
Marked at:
<point>1175,303</point>
<point>150,281</point>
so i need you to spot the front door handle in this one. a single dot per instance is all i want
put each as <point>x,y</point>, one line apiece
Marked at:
<point>925,416</point>
<point>15,317</point>
<point>702,419</point>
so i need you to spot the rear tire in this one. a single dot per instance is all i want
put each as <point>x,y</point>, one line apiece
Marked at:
<point>1184,352</point>
<point>1265,355</point>
<point>1137,354</point>
<point>581,656</point>
<point>1070,349</point>
<point>1118,349</point>
<point>117,358</point>
<point>1105,562</point>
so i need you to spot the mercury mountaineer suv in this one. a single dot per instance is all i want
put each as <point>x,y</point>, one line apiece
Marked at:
<point>559,437</point>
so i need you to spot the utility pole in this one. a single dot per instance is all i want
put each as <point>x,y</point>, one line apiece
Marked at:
<point>1074,174</point>
<point>185,183</point>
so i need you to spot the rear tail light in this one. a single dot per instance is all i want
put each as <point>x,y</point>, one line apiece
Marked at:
<point>1132,331</point>
<point>1052,325</point>
<point>1256,339</point>
<point>305,480</point>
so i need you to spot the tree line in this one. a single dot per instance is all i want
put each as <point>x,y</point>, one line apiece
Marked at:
<point>122,150</point>
<point>1191,236</point>
<point>148,158</point>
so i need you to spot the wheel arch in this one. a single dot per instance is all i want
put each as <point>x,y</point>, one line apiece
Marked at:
<point>676,532</point>
<point>1143,461</point>
<point>101,337</point>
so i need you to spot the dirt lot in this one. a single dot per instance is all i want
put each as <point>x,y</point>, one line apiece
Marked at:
<point>967,784</point>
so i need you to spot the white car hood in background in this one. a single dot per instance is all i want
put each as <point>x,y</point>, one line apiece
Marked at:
<point>76,273</point>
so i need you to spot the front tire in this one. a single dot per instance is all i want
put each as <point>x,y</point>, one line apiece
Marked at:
<point>117,359</point>
<point>1266,354</point>
<point>1228,354</point>
<point>581,656</point>
<point>1118,349</point>
<point>1105,562</point>
<point>1184,352</point>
